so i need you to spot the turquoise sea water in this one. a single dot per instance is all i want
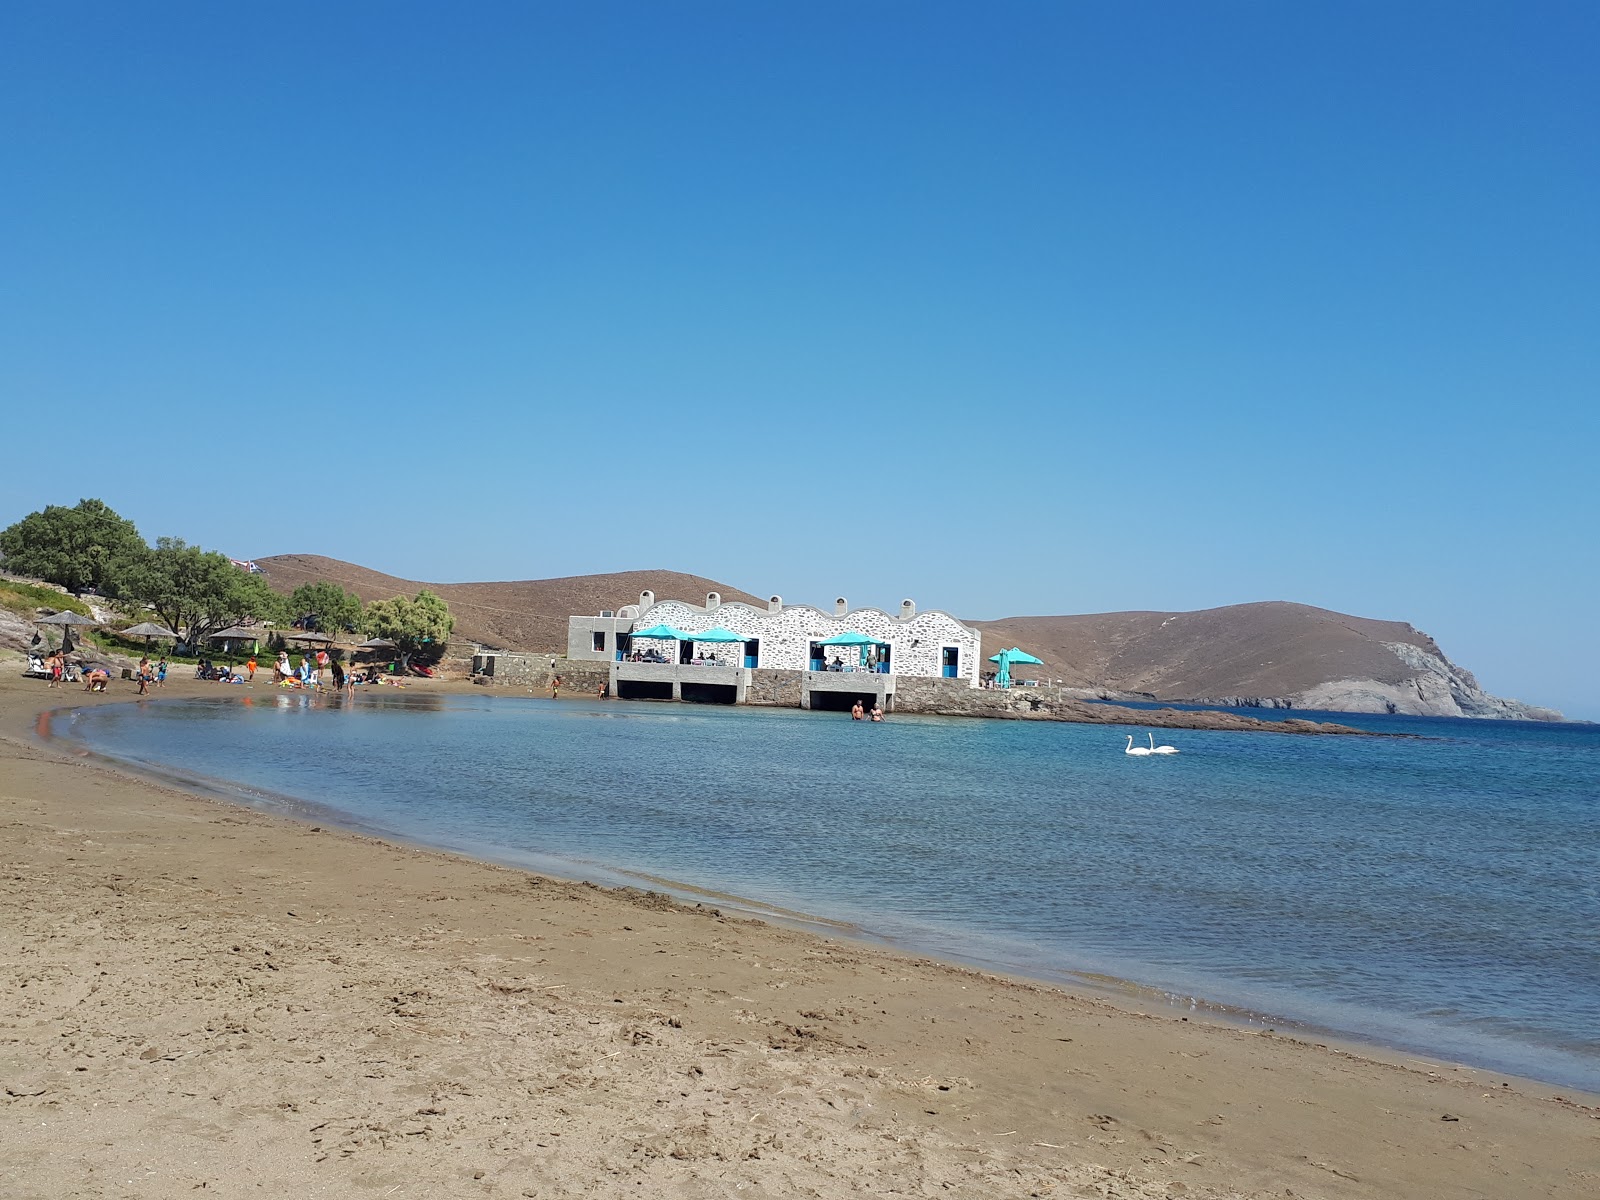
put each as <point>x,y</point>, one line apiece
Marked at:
<point>1439,894</point>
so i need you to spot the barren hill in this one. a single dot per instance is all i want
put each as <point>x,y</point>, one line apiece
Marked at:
<point>528,614</point>
<point>1274,655</point>
<point>1268,649</point>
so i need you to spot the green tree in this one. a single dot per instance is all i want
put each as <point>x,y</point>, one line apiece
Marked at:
<point>76,547</point>
<point>195,592</point>
<point>418,626</point>
<point>330,605</point>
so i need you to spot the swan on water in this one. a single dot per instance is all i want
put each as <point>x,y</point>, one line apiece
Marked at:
<point>1155,749</point>
<point>1139,751</point>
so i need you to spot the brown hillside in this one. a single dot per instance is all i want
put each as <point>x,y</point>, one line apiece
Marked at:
<point>529,614</point>
<point>1268,649</point>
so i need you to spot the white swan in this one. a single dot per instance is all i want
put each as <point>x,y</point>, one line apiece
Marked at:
<point>1138,751</point>
<point>1155,749</point>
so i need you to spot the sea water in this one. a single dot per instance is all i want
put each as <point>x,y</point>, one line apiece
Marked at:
<point>1437,893</point>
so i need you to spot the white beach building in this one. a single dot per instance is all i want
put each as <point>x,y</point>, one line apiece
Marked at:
<point>780,653</point>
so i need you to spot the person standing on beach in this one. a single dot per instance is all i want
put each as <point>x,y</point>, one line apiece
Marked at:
<point>250,667</point>
<point>161,672</point>
<point>555,686</point>
<point>144,677</point>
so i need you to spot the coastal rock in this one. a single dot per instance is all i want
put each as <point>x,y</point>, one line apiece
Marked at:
<point>15,632</point>
<point>1434,687</point>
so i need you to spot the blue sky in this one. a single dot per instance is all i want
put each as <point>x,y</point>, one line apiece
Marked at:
<point>1015,308</point>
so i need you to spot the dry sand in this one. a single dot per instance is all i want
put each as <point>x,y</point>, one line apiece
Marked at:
<point>201,998</point>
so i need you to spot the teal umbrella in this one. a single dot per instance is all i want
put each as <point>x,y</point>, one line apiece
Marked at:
<point>665,632</point>
<point>1005,658</point>
<point>715,634</point>
<point>853,639</point>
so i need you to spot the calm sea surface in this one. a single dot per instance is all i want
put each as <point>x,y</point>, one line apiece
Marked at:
<point>1440,895</point>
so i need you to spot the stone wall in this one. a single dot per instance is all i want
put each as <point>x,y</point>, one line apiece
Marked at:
<point>952,697</point>
<point>774,689</point>
<point>533,674</point>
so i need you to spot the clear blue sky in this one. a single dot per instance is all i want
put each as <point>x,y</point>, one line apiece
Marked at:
<point>1013,308</point>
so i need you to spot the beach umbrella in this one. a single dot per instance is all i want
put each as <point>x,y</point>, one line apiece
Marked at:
<point>1005,658</point>
<point>66,620</point>
<point>853,639</point>
<point>665,633</point>
<point>715,634</point>
<point>148,630</point>
<point>376,644</point>
<point>321,639</point>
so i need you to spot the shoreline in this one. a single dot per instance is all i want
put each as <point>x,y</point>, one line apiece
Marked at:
<point>1152,998</point>
<point>878,1060</point>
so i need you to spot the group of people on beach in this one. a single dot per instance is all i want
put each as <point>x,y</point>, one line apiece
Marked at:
<point>151,674</point>
<point>860,712</point>
<point>308,674</point>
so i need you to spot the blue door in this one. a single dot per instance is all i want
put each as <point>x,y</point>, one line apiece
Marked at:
<point>816,656</point>
<point>752,652</point>
<point>952,662</point>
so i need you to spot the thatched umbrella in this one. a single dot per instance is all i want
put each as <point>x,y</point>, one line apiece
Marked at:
<point>66,620</point>
<point>148,630</point>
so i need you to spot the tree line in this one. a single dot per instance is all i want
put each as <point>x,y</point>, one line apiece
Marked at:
<point>197,593</point>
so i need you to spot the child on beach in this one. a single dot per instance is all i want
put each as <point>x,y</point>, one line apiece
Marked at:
<point>161,672</point>
<point>251,668</point>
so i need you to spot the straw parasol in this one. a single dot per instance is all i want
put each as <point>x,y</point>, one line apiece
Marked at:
<point>67,620</point>
<point>148,630</point>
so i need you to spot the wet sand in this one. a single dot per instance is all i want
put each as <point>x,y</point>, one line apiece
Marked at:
<point>203,998</point>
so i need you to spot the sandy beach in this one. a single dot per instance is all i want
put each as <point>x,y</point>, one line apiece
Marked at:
<point>203,998</point>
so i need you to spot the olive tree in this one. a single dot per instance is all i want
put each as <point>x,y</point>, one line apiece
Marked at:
<point>77,547</point>
<point>195,592</point>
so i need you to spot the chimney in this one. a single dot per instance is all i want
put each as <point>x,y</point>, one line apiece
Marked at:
<point>908,609</point>
<point>713,600</point>
<point>841,608</point>
<point>775,604</point>
<point>646,599</point>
